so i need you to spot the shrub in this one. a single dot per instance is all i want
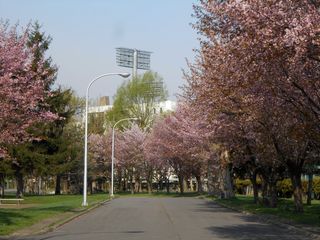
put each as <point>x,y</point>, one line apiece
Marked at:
<point>241,184</point>
<point>284,188</point>
<point>316,187</point>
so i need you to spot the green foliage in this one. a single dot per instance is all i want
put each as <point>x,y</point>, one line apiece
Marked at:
<point>96,123</point>
<point>241,184</point>
<point>316,187</point>
<point>39,42</point>
<point>138,98</point>
<point>285,188</point>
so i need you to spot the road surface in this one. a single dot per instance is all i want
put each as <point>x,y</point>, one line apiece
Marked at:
<point>180,218</point>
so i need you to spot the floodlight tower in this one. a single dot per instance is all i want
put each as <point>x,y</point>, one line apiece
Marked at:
<point>133,58</point>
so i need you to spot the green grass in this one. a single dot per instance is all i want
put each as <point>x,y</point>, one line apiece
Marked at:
<point>42,207</point>
<point>285,209</point>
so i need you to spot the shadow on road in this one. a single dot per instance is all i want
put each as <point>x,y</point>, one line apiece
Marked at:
<point>254,232</point>
<point>212,207</point>
<point>246,227</point>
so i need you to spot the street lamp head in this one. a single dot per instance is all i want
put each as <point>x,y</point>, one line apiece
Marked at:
<point>124,75</point>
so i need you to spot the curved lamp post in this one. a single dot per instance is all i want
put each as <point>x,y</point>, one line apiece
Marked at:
<point>112,156</point>
<point>124,75</point>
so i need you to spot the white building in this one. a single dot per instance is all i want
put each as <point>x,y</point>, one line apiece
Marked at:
<point>104,106</point>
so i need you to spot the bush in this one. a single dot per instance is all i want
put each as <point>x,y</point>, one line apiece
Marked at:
<point>241,184</point>
<point>316,187</point>
<point>284,188</point>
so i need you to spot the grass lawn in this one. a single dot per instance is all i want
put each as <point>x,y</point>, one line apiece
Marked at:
<point>285,209</point>
<point>36,208</point>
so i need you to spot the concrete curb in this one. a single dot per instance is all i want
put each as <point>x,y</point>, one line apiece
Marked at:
<point>312,232</point>
<point>56,224</point>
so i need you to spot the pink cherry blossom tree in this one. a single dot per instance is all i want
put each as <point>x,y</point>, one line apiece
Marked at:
<point>22,90</point>
<point>100,158</point>
<point>130,157</point>
<point>257,75</point>
<point>179,141</point>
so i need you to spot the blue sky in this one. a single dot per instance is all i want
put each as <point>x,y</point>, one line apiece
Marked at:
<point>86,32</point>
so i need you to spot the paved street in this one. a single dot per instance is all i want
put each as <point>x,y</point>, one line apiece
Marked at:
<point>166,219</point>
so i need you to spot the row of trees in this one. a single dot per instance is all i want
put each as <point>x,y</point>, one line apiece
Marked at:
<point>41,125</point>
<point>250,107</point>
<point>255,81</point>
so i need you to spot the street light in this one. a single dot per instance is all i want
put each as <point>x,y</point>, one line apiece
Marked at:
<point>112,156</point>
<point>124,75</point>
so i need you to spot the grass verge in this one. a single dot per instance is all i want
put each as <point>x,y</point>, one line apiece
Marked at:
<point>37,208</point>
<point>285,209</point>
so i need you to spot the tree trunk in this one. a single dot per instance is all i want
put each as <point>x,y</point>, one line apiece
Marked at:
<point>58,185</point>
<point>167,184</point>
<point>227,180</point>
<point>90,182</point>
<point>181,183</point>
<point>125,184</point>
<point>309,195</point>
<point>255,187</point>
<point>297,192</point>
<point>265,199</point>
<point>273,195</point>
<point>2,185</point>
<point>39,190</point>
<point>125,181</point>
<point>185,185</point>
<point>131,184</point>
<point>191,185</point>
<point>20,184</point>
<point>149,184</point>
<point>137,185</point>
<point>199,184</point>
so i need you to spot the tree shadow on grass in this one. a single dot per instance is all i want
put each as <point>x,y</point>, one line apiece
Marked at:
<point>10,217</point>
<point>57,209</point>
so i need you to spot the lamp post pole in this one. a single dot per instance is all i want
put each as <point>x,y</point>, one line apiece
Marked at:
<point>112,155</point>
<point>124,75</point>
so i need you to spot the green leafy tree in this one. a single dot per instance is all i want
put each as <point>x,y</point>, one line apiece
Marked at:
<point>96,123</point>
<point>138,98</point>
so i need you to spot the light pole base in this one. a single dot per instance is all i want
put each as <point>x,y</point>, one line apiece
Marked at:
<point>84,204</point>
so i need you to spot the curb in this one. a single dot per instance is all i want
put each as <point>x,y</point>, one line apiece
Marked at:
<point>272,219</point>
<point>57,224</point>
<point>52,226</point>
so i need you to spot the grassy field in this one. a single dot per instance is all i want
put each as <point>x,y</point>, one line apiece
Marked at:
<point>37,208</point>
<point>285,209</point>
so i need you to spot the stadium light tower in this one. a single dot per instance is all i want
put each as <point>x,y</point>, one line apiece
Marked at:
<point>133,58</point>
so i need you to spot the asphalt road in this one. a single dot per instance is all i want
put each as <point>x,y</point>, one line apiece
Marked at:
<point>166,219</point>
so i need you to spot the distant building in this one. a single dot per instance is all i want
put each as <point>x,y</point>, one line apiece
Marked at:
<point>103,105</point>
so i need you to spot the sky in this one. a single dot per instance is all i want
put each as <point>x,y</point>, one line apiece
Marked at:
<point>85,34</point>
